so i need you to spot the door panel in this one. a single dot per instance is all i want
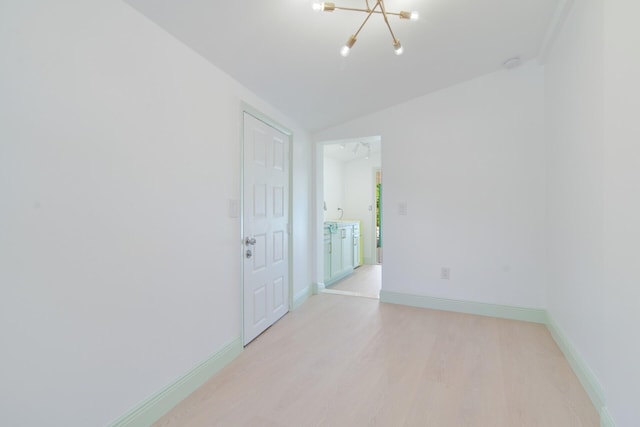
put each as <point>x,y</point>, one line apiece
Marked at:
<point>259,253</point>
<point>259,305</point>
<point>265,225</point>
<point>278,246</point>
<point>278,294</point>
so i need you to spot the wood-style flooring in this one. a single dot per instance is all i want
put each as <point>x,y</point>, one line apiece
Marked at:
<point>365,281</point>
<point>347,361</point>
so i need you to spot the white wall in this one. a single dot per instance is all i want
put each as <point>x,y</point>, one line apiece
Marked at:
<point>622,210</point>
<point>593,97</point>
<point>334,193</point>
<point>574,111</point>
<point>119,266</point>
<point>469,162</point>
<point>359,182</point>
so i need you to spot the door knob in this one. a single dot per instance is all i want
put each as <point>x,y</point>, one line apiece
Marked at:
<point>249,241</point>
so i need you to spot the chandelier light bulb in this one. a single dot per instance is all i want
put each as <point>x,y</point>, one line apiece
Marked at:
<point>397,47</point>
<point>328,7</point>
<point>347,46</point>
<point>409,15</point>
<point>323,6</point>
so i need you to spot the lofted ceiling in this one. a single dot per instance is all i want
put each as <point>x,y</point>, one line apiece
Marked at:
<point>289,55</point>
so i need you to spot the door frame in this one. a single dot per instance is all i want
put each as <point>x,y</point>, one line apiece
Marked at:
<point>259,115</point>
<point>318,205</point>
<point>374,236</point>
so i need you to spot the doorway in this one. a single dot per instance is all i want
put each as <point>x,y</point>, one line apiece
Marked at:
<point>348,212</point>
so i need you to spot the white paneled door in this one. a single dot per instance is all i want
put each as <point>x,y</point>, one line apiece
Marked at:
<point>265,225</point>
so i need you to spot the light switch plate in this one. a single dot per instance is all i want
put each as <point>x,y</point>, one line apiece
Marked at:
<point>234,208</point>
<point>402,208</point>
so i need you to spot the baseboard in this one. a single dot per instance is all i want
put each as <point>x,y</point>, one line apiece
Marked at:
<point>483,309</point>
<point>587,378</point>
<point>154,407</point>
<point>301,297</point>
<point>605,418</point>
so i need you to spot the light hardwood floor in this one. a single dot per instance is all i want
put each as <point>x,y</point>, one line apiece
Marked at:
<point>365,281</point>
<point>345,361</point>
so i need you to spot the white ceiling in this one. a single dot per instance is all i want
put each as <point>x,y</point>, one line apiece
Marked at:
<point>351,149</point>
<point>289,55</point>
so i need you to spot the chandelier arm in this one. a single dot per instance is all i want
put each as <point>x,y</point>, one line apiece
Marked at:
<point>386,20</point>
<point>391,13</point>
<point>354,9</point>
<point>367,18</point>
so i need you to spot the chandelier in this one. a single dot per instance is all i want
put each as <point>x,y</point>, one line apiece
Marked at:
<point>378,8</point>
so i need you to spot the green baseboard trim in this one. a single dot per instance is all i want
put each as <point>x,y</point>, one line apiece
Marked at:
<point>605,418</point>
<point>154,407</point>
<point>301,297</point>
<point>587,378</point>
<point>483,309</point>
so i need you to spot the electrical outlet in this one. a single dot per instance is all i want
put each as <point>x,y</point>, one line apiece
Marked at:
<point>445,273</point>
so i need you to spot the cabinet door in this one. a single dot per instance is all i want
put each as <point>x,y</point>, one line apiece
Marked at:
<point>347,247</point>
<point>356,245</point>
<point>336,253</point>
<point>327,255</point>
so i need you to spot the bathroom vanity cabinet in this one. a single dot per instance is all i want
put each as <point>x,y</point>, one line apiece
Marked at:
<point>341,249</point>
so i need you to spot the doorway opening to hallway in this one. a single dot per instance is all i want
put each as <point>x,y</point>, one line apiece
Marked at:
<point>349,186</point>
